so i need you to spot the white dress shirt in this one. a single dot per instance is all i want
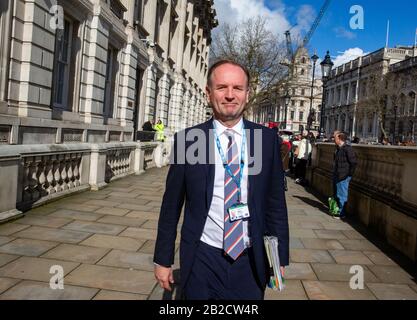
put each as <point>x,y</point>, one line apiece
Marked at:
<point>213,229</point>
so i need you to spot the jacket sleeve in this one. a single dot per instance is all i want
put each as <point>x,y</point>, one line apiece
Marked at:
<point>351,158</point>
<point>172,203</point>
<point>276,216</point>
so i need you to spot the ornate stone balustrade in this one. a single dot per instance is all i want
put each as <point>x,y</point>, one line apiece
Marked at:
<point>34,174</point>
<point>383,192</point>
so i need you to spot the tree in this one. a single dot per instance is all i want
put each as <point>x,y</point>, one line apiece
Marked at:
<point>252,45</point>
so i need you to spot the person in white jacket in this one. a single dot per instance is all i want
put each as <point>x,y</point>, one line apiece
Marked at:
<point>304,151</point>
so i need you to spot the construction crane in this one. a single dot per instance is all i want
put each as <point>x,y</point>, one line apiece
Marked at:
<point>306,40</point>
<point>309,34</point>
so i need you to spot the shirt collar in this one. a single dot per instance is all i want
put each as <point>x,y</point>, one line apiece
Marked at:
<point>237,128</point>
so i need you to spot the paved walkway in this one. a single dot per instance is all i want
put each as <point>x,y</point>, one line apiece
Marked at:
<point>104,242</point>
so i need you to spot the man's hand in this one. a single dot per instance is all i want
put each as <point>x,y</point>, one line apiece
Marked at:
<point>282,271</point>
<point>164,276</point>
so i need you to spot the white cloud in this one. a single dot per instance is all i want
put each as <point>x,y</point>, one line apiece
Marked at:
<point>233,11</point>
<point>348,55</point>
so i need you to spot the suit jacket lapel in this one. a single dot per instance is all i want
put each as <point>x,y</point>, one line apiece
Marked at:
<point>250,149</point>
<point>209,166</point>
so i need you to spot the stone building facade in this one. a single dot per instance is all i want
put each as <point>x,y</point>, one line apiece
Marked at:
<point>96,70</point>
<point>299,90</point>
<point>359,96</point>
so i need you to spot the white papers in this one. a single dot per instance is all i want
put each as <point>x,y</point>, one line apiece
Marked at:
<point>276,281</point>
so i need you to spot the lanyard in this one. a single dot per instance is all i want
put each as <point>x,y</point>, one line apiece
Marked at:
<point>226,165</point>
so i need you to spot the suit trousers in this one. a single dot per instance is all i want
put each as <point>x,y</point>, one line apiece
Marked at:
<point>215,276</point>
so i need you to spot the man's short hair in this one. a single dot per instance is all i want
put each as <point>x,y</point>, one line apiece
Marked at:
<point>341,135</point>
<point>221,62</point>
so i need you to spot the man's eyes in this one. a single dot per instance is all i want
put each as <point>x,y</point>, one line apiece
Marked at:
<point>234,88</point>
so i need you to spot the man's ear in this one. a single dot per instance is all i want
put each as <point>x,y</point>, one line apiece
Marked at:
<point>208,94</point>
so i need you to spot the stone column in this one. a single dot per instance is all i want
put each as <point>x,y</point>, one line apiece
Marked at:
<point>9,175</point>
<point>150,97</point>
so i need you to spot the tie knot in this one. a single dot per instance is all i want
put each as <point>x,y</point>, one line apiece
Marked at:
<point>230,136</point>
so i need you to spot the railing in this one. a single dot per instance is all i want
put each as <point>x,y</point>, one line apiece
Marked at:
<point>32,175</point>
<point>383,170</point>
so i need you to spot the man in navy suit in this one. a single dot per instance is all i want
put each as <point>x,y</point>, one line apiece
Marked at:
<point>229,173</point>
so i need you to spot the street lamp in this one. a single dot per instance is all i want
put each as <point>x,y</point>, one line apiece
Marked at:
<point>287,99</point>
<point>310,115</point>
<point>326,68</point>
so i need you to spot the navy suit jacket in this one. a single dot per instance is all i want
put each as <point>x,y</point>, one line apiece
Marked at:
<point>194,183</point>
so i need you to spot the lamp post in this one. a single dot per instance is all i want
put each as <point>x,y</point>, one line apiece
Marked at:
<point>287,99</point>
<point>326,68</point>
<point>310,115</point>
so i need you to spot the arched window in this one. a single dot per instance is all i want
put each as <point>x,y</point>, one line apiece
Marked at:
<point>302,72</point>
<point>303,60</point>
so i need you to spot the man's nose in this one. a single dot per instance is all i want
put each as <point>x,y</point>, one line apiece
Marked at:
<point>229,94</point>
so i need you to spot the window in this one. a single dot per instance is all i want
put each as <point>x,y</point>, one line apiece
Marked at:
<point>112,68</point>
<point>301,103</point>
<point>5,10</point>
<point>303,60</point>
<point>301,116</point>
<point>158,20</point>
<point>293,92</point>
<point>302,72</point>
<point>303,92</point>
<point>139,9</point>
<point>292,115</point>
<point>293,103</point>
<point>64,64</point>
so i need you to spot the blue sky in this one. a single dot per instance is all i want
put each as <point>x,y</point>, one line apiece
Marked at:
<point>334,32</point>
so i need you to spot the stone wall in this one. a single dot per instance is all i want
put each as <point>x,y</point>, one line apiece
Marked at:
<point>38,173</point>
<point>383,193</point>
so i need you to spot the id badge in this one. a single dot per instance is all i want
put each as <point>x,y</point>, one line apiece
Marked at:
<point>238,211</point>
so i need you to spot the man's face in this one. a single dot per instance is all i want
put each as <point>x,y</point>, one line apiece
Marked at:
<point>336,139</point>
<point>228,92</point>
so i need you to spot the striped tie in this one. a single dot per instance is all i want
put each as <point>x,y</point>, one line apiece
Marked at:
<point>233,243</point>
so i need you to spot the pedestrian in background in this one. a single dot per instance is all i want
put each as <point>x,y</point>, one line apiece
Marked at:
<point>304,151</point>
<point>344,167</point>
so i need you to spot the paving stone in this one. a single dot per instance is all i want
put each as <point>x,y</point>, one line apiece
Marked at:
<point>27,247</point>
<point>95,227</point>
<point>49,234</point>
<point>351,244</point>
<point>322,244</point>
<point>117,295</point>
<point>110,278</point>
<point>139,233</point>
<point>150,224</point>
<point>76,215</point>
<point>391,274</point>
<point>328,290</point>
<point>310,255</point>
<point>44,221</point>
<point>385,291</point>
<point>78,207</point>
<point>122,195</point>
<point>299,271</point>
<point>113,242</point>
<point>40,211</point>
<point>353,234</point>
<point>33,290</point>
<point>103,203</point>
<point>136,206</point>
<point>6,258</point>
<point>124,221</point>
<point>30,268</point>
<point>9,228</point>
<point>350,257</point>
<point>150,197</point>
<point>143,215</point>
<point>76,253</point>
<point>92,195</point>
<point>6,283</point>
<point>113,211</point>
<point>128,259</point>
<point>293,290</point>
<point>302,233</point>
<point>295,243</point>
<point>340,272</point>
<point>309,225</point>
<point>340,225</point>
<point>148,247</point>
<point>330,234</point>
<point>4,240</point>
